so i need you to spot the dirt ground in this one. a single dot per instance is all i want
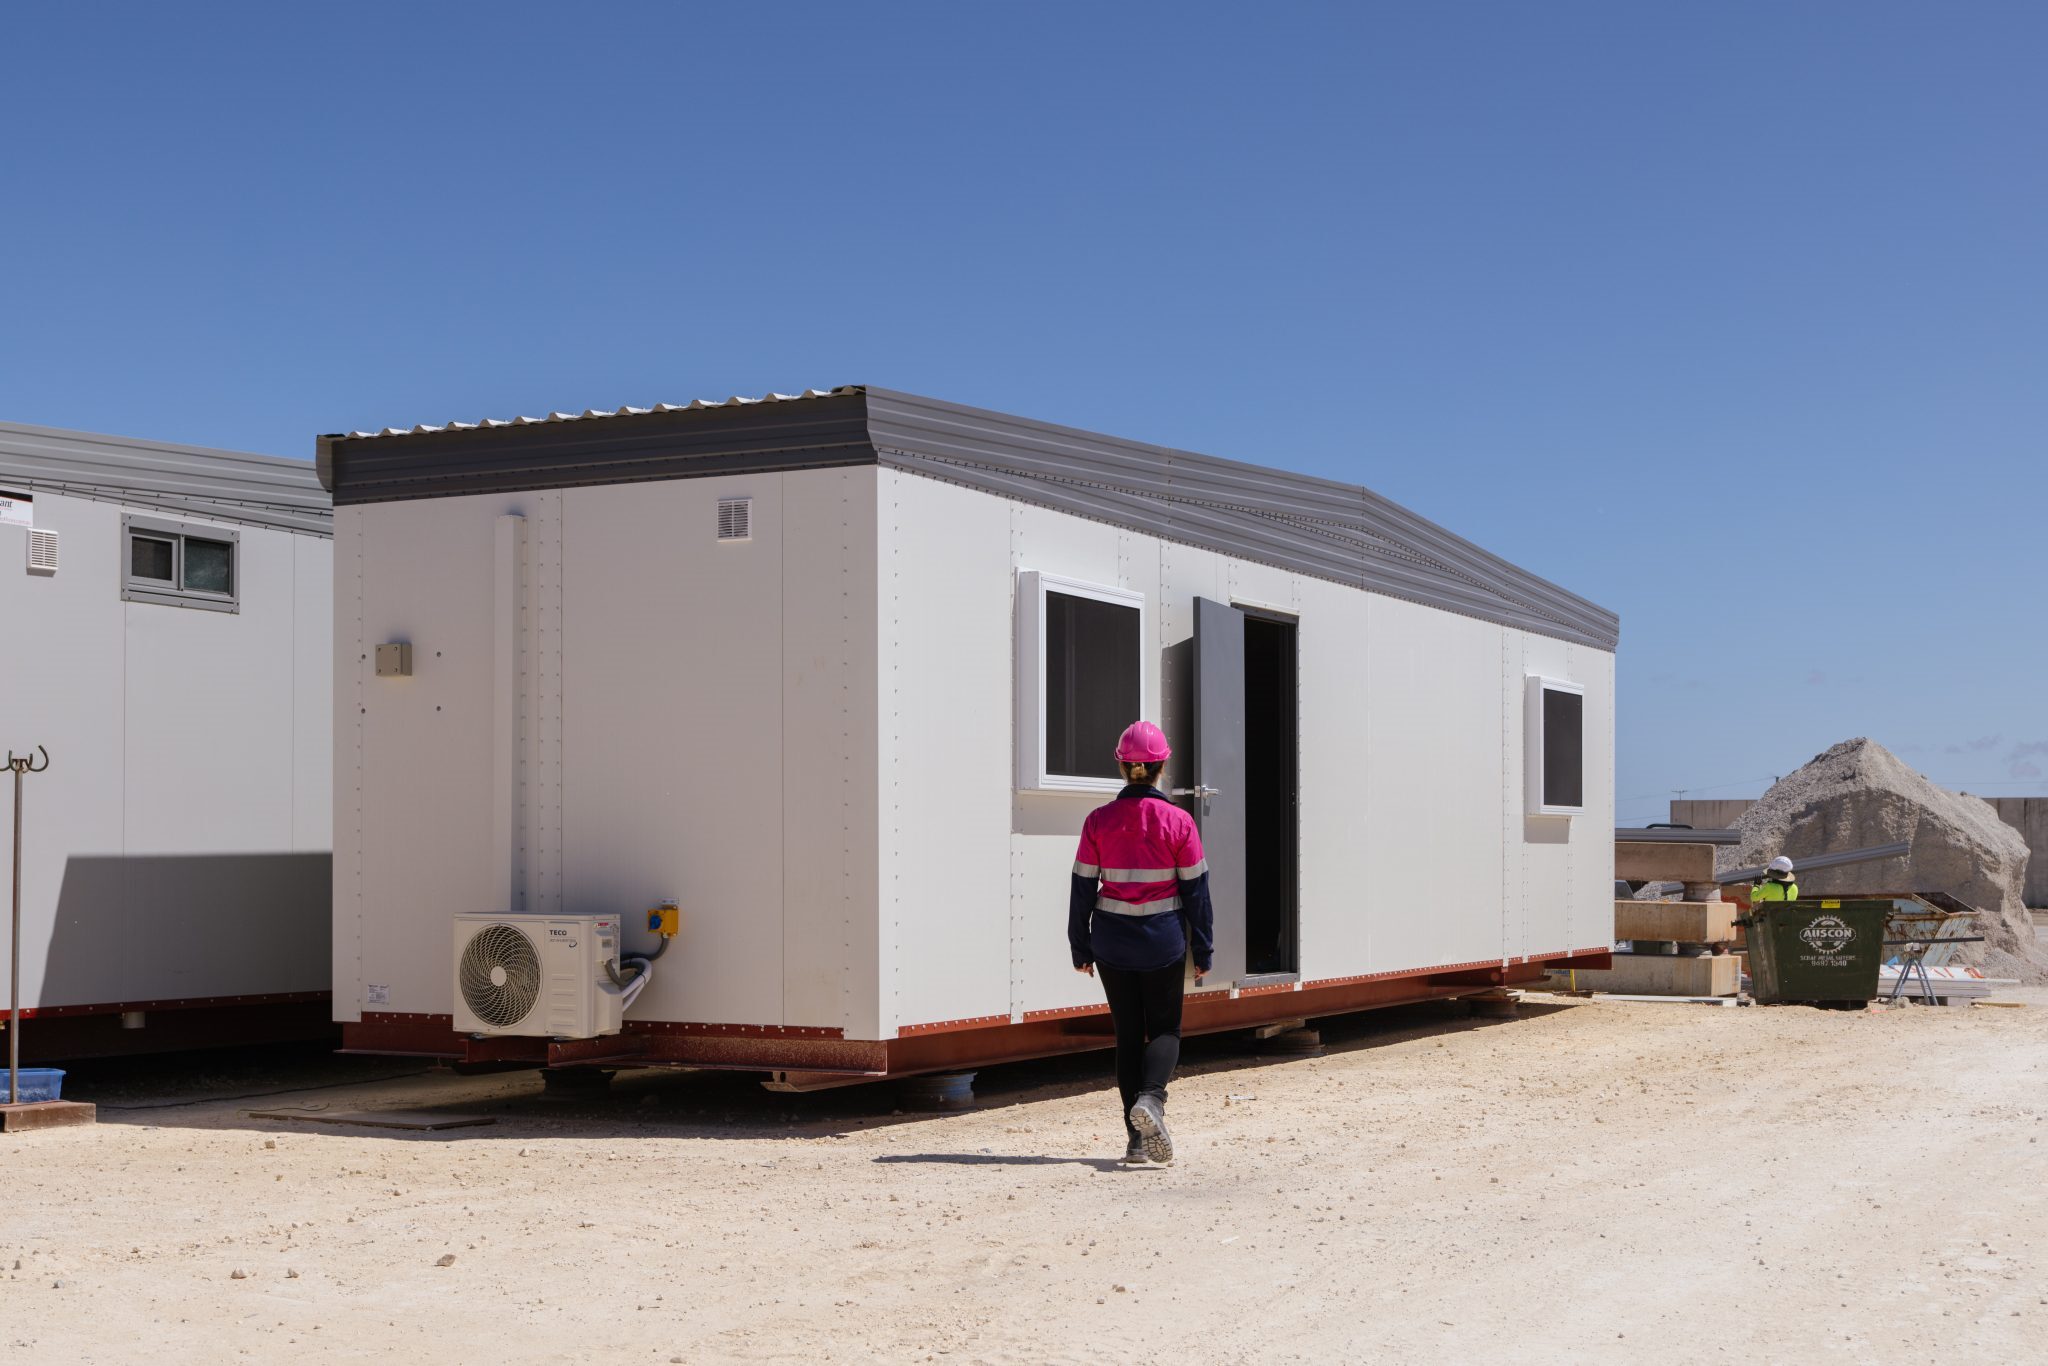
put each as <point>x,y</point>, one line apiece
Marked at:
<point>1591,1181</point>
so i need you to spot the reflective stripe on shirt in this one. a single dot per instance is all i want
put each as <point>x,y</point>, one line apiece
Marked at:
<point>1115,907</point>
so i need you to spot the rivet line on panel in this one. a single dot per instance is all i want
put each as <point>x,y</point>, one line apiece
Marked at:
<point>845,753</point>
<point>356,820</point>
<point>1506,803</point>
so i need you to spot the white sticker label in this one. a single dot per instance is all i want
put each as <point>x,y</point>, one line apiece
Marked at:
<point>17,509</point>
<point>377,994</point>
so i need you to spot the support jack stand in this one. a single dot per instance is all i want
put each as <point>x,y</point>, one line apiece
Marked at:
<point>1290,1039</point>
<point>1494,1005</point>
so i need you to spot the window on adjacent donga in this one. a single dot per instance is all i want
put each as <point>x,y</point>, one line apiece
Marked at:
<point>152,560</point>
<point>180,564</point>
<point>209,566</point>
<point>1091,682</point>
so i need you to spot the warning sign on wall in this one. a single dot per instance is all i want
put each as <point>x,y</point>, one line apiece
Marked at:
<point>17,509</point>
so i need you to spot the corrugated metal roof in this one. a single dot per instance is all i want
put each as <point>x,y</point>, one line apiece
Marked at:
<point>1331,530</point>
<point>482,424</point>
<point>221,486</point>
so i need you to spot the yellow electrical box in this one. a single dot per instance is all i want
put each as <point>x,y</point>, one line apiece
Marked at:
<point>664,919</point>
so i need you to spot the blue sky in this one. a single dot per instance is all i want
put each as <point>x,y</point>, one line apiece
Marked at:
<point>1731,317</point>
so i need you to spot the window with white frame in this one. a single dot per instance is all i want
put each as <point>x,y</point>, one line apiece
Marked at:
<point>180,564</point>
<point>1081,667</point>
<point>1556,753</point>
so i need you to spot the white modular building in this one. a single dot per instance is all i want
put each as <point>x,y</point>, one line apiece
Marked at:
<point>167,614</point>
<point>839,674</point>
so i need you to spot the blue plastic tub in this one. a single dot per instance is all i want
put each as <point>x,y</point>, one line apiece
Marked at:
<point>37,1083</point>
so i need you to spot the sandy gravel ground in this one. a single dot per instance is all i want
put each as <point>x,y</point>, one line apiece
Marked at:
<point>1592,1181</point>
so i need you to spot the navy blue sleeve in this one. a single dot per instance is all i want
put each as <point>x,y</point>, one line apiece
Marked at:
<point>1194,907</point>
<point>1081,905</point>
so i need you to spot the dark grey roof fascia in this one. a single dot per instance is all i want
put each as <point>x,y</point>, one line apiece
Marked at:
<point>681,443</point>
<point>1313,526</point>
<point>196,481</point>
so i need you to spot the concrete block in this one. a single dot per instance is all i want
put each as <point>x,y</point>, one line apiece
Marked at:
<point>1689,863</point>
<point>1687,922</point>
<point>1659,975</point>
<point>2029,816</point>
<point>1710,813</point>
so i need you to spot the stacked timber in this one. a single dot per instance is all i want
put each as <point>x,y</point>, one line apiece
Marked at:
<point>1673,948</point>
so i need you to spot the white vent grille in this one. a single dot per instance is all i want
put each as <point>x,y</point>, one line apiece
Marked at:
<point>735,519</point>
<point>42,552</point>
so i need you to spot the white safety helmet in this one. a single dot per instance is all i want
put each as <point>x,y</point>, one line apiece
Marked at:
<point>1781,864</point>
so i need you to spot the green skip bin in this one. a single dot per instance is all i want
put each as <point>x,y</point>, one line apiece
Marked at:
<point>1824,952</point>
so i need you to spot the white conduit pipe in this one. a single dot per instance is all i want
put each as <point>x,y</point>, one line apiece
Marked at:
<point>638,984</point>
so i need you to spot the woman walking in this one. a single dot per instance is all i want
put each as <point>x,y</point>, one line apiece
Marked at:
<point>1140,900</point>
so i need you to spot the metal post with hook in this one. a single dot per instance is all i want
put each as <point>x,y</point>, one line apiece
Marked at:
<point>25,764</point>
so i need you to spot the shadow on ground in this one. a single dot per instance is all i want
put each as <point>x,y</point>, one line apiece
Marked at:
<point>215,1089</point>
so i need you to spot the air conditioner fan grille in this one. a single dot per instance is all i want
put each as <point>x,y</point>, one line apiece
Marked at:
<point>500,975</point>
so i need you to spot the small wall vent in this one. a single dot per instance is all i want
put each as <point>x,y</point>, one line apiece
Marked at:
<point>735,519</point>
<point>42,552</point>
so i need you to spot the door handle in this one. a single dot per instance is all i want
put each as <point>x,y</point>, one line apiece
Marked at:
<point>1198,790</point>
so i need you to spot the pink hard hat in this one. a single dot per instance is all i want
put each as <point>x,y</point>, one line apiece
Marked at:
<point>1143,743</point>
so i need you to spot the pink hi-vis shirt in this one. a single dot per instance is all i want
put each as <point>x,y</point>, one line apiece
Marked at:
<point>1142,851</point>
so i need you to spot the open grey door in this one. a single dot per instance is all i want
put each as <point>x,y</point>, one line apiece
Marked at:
<point>1217,794</point>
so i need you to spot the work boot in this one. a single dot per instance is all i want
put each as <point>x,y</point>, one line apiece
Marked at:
<point>1134,1154</point>
<point>1148,1117</point>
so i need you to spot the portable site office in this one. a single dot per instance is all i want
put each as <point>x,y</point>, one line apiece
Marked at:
<point>840,674</point>
<point>167,642</point>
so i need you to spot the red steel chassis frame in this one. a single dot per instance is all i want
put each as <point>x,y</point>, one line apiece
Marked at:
<point>808,1058</point>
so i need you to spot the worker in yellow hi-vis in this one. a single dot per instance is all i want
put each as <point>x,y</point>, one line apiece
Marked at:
<point>1778,884</point>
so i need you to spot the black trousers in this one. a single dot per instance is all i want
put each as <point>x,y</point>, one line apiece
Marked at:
<point>1145,1008</point>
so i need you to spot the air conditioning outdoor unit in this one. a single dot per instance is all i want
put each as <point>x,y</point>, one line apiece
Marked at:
<point>537,976</point>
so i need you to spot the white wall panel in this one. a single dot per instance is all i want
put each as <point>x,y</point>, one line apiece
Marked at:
<point>210,729</point>
<point>351,729</point>
<point>1045,976</point>
<point>831,956</point>
<point>1336,909</point>
<point>673,735</point>
<point>312,693</point>
<point>1431,774</point>
<point>1515,922</point>
<point>61,687</point>
<point>426,571</point>
<point>945,616</point>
